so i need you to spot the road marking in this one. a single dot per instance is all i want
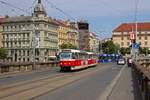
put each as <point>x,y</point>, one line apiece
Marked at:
<point>109,88</point>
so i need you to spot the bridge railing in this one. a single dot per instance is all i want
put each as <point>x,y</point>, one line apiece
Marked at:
<point>141,68</point>
<point>26,66</point>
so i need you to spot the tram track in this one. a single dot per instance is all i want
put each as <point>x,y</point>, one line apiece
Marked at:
<point>39,87</point>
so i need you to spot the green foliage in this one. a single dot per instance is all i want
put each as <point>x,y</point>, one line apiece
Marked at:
<point>144,50</point>
<point>123,51</point>
<point>110,47</point>
<point>67,46</point>
<point>3,53</point>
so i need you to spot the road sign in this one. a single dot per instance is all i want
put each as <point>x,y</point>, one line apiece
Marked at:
<point>132,36</point>
<point>135,46</point>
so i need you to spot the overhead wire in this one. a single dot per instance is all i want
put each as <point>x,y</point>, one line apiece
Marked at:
<point>118,11</point>
<point>60,10</point>
<point>10,5</point>
<point>31,7</point>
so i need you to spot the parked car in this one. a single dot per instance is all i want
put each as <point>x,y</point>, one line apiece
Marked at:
<point>121,61</point>
<point>129,62</point>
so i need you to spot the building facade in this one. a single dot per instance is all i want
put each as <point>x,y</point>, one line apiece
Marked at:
<point>62,33</point>
<point>73,36</point>
<point>29,38</point>
<point>67,33</point>
<point>94,43</point>
<point>122,34</point>
<point>1,44</point>
<point>1,28</point>
<point>84,36</point>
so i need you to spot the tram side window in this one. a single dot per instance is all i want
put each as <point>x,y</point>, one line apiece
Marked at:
<point>75,56</point>
<point>82,56</point>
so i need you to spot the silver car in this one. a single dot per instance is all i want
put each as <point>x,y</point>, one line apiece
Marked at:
<point>121,61</point>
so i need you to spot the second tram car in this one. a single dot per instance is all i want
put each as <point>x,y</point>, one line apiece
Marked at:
<point>71,59</point>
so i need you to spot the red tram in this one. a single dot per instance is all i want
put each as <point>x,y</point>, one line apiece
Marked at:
<point>71,59</point>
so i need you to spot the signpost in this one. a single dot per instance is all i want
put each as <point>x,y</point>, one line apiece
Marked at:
<point>135,50</point>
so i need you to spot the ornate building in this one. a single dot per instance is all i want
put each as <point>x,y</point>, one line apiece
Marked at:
<point>30,38</point>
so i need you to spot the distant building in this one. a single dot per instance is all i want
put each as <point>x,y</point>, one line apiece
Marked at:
<point>84,35</point>
<point>22,33</point>
<point>122,34</point>
<point>67,33</point>
<point>94,42</point>
<point>62,33</point>
<point>73,35</point>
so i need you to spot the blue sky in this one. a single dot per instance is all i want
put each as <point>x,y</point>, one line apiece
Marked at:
<point>102,15</point>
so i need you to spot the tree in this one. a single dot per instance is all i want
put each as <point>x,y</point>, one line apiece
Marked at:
<point>144,50</point>
<point>110,47</point>
<point>3,53</point>
<point>67,46</point>
<point>123,51</point>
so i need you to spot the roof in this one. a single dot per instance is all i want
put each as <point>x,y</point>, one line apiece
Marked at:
<point>18,19</point>
<point>2,18</point>
<point>129,27</point>
<point>24,19</point>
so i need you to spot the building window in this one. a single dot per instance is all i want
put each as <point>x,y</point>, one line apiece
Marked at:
<point>12,52</point>
<point>122,43</point>
<point>28,35</point>
<point>28,52</point>
<point>139,43</point>
<point>7,45</point>
<point>19,59</point>
<point>145,43</point>
<point>128,37</point>
<point>19,52</point>
<point>23,53</point>
<point>139,38</point>
<point>24,59</point>
<point>128,43</point>
<point>145,37</point>
<point>28,59</point>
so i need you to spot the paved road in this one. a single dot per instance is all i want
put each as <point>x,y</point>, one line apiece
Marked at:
<point>50,84</point>
<point>88,88</point>
<point>26,76</point>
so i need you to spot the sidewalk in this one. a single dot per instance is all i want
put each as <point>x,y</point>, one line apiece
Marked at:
<point>126,87</point>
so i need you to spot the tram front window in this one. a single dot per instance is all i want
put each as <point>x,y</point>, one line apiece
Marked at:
<point>65,55</point>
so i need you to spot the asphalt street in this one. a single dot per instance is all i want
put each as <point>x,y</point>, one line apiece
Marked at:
<point>87,84</point>
<point>88,88</point>
<point>27,76</point>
